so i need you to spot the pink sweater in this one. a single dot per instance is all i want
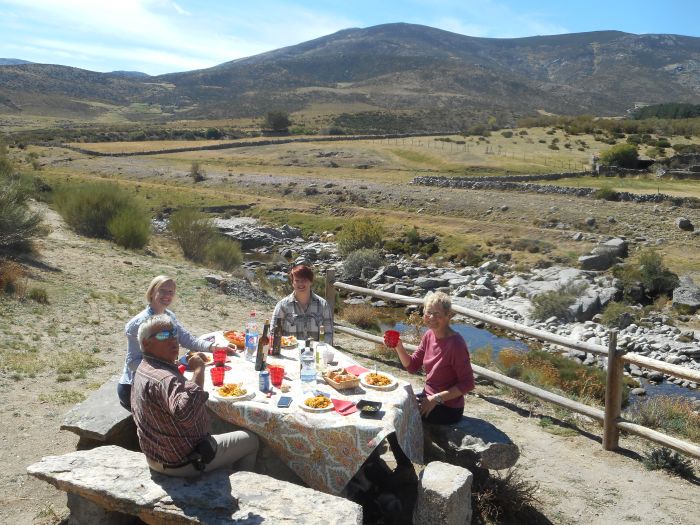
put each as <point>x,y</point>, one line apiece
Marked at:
<point>446,364</point>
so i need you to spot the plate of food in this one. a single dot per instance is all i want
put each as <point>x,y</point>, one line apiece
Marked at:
<point>369,408</point>
<point>317,404</point>
<point>235,337</point>
<point>208,358</point>
<point>289,341</point>
<point>378,381</point>
<point>233,392</point>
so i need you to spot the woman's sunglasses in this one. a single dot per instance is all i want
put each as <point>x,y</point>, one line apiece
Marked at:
<point>164,335</point>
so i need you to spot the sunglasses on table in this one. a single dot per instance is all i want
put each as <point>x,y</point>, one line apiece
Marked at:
<point>164,335</point>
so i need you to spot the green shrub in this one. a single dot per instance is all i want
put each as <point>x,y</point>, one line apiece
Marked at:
<point>358,260</point>
<point>507,134</point>
<point>673,414</point>
<point>622,155</point>
<point>606,193</point>
<point>672,462</point>
<point>224,254</point>
<point>39,295</point>
<point>556,303</point>
<point>648,271</point>
<point>105,211</point>
<point>617,315</point>
<point>130,228</point>
<point>359,233</point>
<point>193,231</point>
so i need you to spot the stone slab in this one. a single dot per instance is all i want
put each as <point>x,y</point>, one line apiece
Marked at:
<point>118,480</point>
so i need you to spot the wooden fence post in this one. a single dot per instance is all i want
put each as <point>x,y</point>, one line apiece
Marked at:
<point>613,394</point>
<point>330,289</point>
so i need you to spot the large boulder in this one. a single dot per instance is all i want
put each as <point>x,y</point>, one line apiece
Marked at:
<point>444,495</point>
<point>471,443</point>
<point>686,295</point>
<point>598,261</point>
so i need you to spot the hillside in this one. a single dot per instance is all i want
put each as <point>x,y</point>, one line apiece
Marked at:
<point>417,71</point>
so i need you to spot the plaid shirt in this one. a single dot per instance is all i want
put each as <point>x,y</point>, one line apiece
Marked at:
<point>303,323</point>
<point>168,410</point>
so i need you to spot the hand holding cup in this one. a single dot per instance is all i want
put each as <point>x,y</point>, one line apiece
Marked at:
<point>391,338</point>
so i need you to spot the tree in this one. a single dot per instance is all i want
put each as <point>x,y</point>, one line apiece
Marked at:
<point>621,155</point>
<point>277,121</point>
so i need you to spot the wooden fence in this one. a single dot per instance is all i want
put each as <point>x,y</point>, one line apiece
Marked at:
<point>610,417</point>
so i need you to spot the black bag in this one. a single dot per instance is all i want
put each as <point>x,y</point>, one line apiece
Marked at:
<point>203,453</point>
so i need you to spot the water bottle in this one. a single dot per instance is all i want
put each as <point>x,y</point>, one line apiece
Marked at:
<point>251,337</point>
<point>308,371</point>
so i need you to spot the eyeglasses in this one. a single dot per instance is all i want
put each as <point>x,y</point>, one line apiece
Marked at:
<point>164,335</point>
<point>433,314</point>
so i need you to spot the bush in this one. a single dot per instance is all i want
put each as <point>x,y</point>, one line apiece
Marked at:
<point>672,462</point>
<point>39,295</point>
<point>130,228</point>
<point>648,271</point>
<point>18,224</point>
<point>362,315</point>
<point>197,173</point>
<point>359,233</point>
<point>617,315</point>
<point>358,260</point>
<point>556,303</point>
<point>622,155</point>
<point>505,498</point>
<point>673,414</point>
<point>193,231</point>
<point>277,121</point>
<point>606,193</point>
<point>89,209</point>
<point>10,275</point>
<point>224,254</point>
<point>507,134</point>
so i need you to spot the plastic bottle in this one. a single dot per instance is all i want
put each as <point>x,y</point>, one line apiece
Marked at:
<point>251,337</point>
<point>308,371</point>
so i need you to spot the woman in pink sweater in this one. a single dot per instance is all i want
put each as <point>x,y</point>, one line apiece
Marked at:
<point>443,355</point>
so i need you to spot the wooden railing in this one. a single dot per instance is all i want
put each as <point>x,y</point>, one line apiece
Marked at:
<point>610,417</point>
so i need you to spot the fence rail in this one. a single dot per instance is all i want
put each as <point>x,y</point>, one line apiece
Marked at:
<point>610,417</point>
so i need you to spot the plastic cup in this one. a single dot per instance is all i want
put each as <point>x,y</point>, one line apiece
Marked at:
<point>217,375</point>
<point>391,338</point>
<point>276,375</point>
<point>219,356</point>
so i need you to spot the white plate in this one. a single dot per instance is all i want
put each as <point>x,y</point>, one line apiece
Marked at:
<point>390,386</point>
<point>291,345</point>
<point>304,406</point>
<point>249,395</point>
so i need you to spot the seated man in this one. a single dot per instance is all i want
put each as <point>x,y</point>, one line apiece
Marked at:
<point>170,414</point>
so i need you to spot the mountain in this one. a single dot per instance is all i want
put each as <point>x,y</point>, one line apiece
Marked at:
<point>129,74</point>
<point>401,74</point>
<point>12,61</point>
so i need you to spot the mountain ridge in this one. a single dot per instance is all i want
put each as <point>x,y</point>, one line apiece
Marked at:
<point>405,68</point>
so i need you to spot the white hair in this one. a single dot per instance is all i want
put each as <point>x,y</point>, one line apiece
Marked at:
<point>152,325</point>
<point>440,299</point>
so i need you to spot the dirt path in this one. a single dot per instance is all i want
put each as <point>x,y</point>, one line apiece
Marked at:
<point>94,288</point>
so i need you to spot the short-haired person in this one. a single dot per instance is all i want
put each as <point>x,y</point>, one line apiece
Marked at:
<point>170,414</point>
<point>159,295</point>
<point>443,355</point>
<point>302,312</point>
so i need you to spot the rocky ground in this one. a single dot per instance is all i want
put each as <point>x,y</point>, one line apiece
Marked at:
<point>94,288</point>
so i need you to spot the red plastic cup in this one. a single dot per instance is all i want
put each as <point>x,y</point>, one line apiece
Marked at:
<point>276,375</point>
<point>219,356</point>
<point>217,375</point>
<point>182,369</point>
<point>391,338</point>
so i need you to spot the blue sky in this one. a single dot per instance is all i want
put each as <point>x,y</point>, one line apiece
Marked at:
<point>163,36</point>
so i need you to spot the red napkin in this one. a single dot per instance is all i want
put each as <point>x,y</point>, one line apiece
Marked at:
<point>356,370</point>
<point>344,408</point>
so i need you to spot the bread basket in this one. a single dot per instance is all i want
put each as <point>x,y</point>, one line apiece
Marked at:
<point>330,377</point>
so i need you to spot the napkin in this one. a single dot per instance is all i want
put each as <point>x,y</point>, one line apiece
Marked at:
<point>356,370</point>
<point>344,408</point>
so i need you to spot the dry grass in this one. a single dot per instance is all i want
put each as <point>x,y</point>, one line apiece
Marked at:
<point>362,315</point>
<point>669,413</point>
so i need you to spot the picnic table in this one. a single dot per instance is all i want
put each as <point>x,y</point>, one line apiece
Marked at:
<point>325,449</point>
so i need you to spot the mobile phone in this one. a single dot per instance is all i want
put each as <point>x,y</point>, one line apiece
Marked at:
<point>284,402</point>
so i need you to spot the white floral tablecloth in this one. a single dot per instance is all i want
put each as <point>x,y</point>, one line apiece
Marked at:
<point>324,449</point>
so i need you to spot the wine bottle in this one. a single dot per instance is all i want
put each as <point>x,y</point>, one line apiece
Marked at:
<point>276,347</point>
<point>261,357</point>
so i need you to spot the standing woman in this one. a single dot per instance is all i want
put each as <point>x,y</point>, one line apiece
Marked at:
<point>302,312</point>
<point>159,295</point>
<point>443,355</point>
